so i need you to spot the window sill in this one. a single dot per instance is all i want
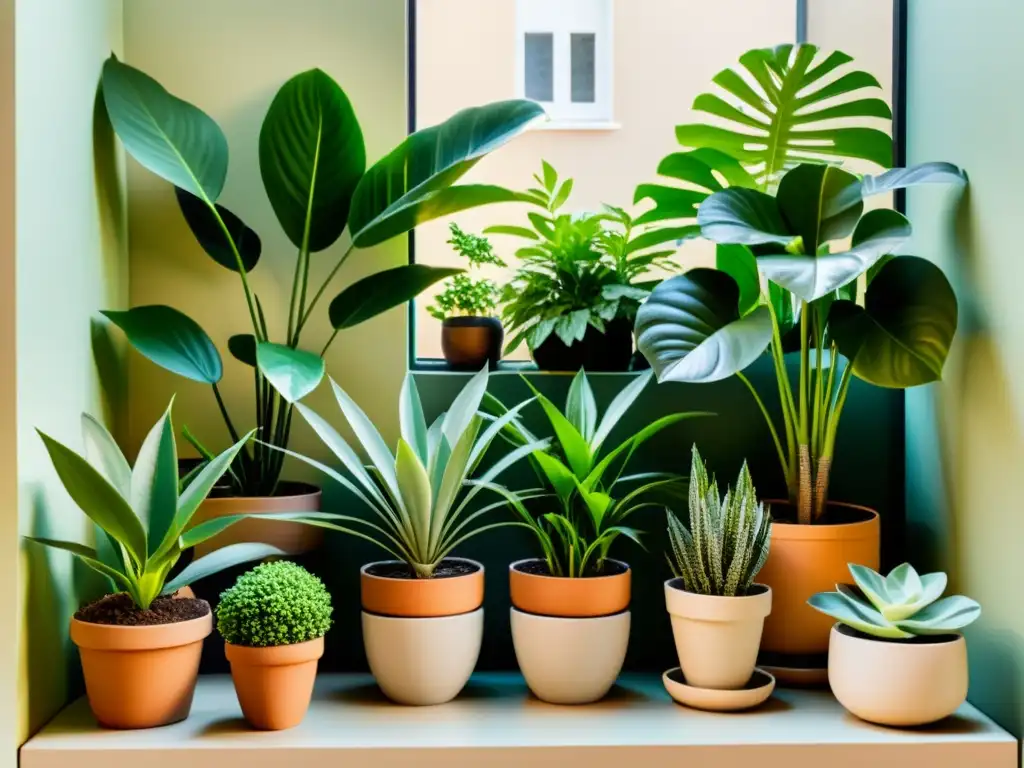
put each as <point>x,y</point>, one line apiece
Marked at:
<point>495,722</point>
<point>589,126</point>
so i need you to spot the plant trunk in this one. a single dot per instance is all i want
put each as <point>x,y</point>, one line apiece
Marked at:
<point>806,497</point>
<point>821,486</point>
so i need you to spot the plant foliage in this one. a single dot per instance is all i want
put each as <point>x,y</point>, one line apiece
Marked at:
<point>465,295</point>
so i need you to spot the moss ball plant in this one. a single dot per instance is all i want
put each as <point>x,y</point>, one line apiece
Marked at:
<point>277,603</point>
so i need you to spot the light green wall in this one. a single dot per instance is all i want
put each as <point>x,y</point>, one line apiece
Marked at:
<point>70,261</point>
<point>965,438</point>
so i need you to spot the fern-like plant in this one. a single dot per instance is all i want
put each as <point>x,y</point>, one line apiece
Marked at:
<point>727,541</point>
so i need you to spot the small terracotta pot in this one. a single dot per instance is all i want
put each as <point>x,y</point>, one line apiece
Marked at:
<point>806,559</point>
<point>469,343</point>
<point>569,598</point>
<point>293,538</point>
<point>900,683</point>
<point>717,638</point>
<point>274,685</point>
<point>140,677</point>
<point>422,598</point>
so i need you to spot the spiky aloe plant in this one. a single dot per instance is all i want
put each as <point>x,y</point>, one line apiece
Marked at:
<point>727,542</point>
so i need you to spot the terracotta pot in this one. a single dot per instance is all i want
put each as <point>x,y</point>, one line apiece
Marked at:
<point>893,682</point>
<point>608,351</point>
<point>293,538</point>
<point>469,343</point>
<point>807,559</point>
<point>274,685</point>
<point>717,638</point>
<point>569,598</point>
<point>140,677</point>
<point>421,597</point>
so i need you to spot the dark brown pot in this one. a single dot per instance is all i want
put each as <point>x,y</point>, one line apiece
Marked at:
<point>608,351</point>
<point>470,342</point>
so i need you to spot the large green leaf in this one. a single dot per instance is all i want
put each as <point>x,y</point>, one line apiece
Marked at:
<point>414,487</point>
<point>293,372</point>
<point>104,454</point>
<point>209,234</point>
<point>311,158</point>
<point>739,263</point>
<point>901,336</point>
<point>412,184</point>
<point>896,178</point>
<point>88,556</point>
<point>581,407</point>
<point>574,446</point>
<point>690,328</point>
<point>781,110</point>
<point>381,291</point>
<point>170,339</point>
<point>618,406</point>
<point>242,347</point>
<point>172,138</point>
<point>744,217</point>
<point>803,195</point>
<point>411,420</point>
<point>154,485</point>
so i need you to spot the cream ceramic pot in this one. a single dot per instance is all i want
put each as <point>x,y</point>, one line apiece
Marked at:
<point>717,638</point>
<point>899,683</point>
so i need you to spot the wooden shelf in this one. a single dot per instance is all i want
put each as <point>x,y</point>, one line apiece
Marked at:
<point>497,724</point>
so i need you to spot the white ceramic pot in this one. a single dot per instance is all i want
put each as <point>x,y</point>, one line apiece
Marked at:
<point>717,638</point>
<point>893,682</point>
<point>570,661</point>
<point>422,661</point>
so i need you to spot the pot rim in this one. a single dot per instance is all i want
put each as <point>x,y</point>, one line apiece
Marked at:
<point>149,637</point>
<point>310,490</point>
<point>562,579</point>
<point>470,321</point>
<point>951,638</point>
<point>858,529</point>
<point>723,609</point>
<point>384,618</point>
<point>762,589</point>
<point>606,617</point>
<point>365,574</point>
<point>275,655</point>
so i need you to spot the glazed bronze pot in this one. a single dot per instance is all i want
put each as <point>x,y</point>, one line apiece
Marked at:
<point>470,342</point>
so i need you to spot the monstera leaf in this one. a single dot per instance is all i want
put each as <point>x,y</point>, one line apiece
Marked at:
<point>690,328</point>
<point>780,111</point>
<point>413,184</point>
<point>901,336</point>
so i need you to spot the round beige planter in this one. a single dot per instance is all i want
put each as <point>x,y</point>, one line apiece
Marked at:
<point>570,660</point>
<point>422,661</point>
<point>717,638</point>
<point>892,682</point>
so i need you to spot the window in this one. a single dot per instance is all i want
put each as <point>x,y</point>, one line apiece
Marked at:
<point>564,60</point>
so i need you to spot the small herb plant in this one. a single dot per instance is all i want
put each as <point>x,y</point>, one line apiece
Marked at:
<point>727,542</point>
<point>900,606</point>
<point>464,295</point>
<point>277,603</point>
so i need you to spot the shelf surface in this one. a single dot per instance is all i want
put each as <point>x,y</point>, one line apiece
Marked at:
<point>496,723</point>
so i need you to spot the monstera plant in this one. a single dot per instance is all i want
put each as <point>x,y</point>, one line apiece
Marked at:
<point>313,165</point>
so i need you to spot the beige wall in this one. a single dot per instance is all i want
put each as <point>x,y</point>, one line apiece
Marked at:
<point>71,261</point>
<point>229,57</point>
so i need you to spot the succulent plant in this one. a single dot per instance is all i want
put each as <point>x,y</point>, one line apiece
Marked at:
<point>899,606</point>
<point>727,542</point>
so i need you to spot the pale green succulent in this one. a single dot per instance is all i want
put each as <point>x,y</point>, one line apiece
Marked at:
<point>727,542</point>
<point>899,606</point>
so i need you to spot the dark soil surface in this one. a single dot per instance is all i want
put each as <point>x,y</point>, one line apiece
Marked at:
<point>285,488</point>
<point>120,610</point>
<point>540,568</point>
<point>446,570</point>
<point>834,515</point>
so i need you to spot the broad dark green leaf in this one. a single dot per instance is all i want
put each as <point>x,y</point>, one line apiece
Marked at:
<point>293,372</point>
<point>743,216</point>
<point>312,157</point>
<point>170,137</point>
<point>211,237</point>
<point>804,193</point>
<point>739,263</point>
<point>690,328</point>
<point>896,178</point>
<point>242,347</point>
<point>170,339</point>
<point>901,336</point>
<point>381,291</point>
<point>412,183</point>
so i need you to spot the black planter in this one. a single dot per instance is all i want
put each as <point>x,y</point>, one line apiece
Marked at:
<point>470,342</point>
<point>608,351</point>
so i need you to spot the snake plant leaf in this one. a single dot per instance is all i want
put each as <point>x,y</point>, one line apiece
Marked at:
<point>780,111</point>
<point>104,454</point>
<point>464,407</point>
<point>942,617</point>
<point>411,420</point>
<point>901,336</point>
<point>896,178</point>
<point>171,339</point>
<point>739,263</point>
<point>209,234</point>
<point>690,328</point>
<point>312,157</point>
<point>154,484</point>
<point>170,137</point>
<point>242,347</point>
<point>743,216</point>
<point>803,195</point>
<point>225,557</point>
<point>414,487</point>
<point>374,445</point>
<point>381,291</point>
<point>413,183</point>
<point>617,408</point>
<point>581,407</point>
<point>456,470</point>
<point>856,614</point>
<point>879,232</point>
<point>294,373</point>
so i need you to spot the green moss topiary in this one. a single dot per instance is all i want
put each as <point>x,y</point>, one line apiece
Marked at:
<point>277,603</point>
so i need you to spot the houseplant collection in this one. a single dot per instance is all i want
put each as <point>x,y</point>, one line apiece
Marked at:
<point>471,333</point>
<point>896,655</point>
<point>273,621</point>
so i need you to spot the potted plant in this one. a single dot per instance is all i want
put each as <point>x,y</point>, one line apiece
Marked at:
<point>783,282</point>
<point>422,610</point>
<point>140,646</point>
<point>273,621</point>
<point>570,608</point>
<point>313,165</point>
<point>575,294</point>
<point>896,655</point>
<point>471,334</point>
<point>717,609</point>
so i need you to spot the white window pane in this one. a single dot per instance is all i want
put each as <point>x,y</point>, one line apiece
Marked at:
<point>539,66</point>
<point>582,45</point>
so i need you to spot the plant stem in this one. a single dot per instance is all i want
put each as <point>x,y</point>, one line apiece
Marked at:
<point>329,342</point>
<point>804,374</point>
<point>786,399</point>
<point>241,271</point>
<point>836,412</point>
<point>768,421</point>
<point>224,413</point>
<point>293,309</point>
<point>316,297</point>
<point>818,407</point>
